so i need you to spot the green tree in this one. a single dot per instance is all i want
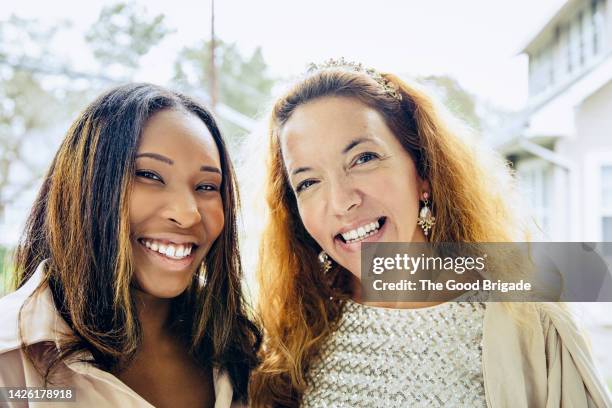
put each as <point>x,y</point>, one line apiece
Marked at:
<point>123,33</point>
<point>243,82</point>
<point>26,105</point>
<point>456,98</point>
<point>38,91</point>
<point>5,271</point>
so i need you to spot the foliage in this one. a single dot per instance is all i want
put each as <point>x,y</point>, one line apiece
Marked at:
<point>243,82</point>
<point>5,271</point>
<point>25,104</point>
<point>457,99</point>
<point>39,91</point>
<point>124,33</point>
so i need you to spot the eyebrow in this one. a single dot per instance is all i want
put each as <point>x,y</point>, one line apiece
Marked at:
<point>300,170</point>
<point>169,161</point>
<point>352,144</point>
<point>156,156</point>
<point>355,142</point>
<point>210,169</point>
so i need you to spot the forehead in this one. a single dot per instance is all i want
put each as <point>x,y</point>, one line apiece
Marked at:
<point>178,133</point>
<point>331,123</point>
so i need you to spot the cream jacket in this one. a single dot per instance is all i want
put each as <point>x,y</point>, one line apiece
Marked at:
<point>547,366</point>
<point>41,326</point>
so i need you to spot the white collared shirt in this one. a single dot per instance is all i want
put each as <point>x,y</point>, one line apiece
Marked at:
<point>41,327</point>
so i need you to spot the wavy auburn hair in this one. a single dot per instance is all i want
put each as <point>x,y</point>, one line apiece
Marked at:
<point>80,225</point>
<point>299,305</point>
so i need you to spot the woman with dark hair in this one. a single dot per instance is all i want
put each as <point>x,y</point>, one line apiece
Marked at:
<point>128,272</point>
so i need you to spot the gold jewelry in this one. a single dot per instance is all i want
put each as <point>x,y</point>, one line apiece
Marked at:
<point>390,88</point>
<point>426,220</point>
<point>325,261</point>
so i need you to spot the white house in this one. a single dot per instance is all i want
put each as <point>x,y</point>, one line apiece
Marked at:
<point>561,143</point>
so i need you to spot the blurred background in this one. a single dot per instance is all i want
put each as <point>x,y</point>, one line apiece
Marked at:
<point>533,79</point>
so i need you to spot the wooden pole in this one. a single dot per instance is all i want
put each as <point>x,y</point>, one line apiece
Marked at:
<point>213,68</point>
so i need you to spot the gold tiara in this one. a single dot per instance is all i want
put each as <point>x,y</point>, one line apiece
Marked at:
<point>390,88</point>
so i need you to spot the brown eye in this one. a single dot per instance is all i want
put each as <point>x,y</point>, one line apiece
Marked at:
<point>148,174</point>
<point>207,187</point>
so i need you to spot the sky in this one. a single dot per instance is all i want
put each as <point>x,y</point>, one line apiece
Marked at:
<point>476,41</point>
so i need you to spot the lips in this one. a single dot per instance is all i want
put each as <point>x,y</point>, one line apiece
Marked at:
<point>168,254</point>
<point>169,249</point>
<point>355,245</point>
<point>361,231</point>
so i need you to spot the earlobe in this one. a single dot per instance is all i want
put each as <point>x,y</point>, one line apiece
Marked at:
<point>425,186</point>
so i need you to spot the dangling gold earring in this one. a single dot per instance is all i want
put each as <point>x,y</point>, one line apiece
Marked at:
<point>426,220</point>
<point>325,262</point>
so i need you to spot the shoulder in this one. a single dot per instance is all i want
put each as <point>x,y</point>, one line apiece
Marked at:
<point>223,390</point>
<point>543,320</point>
<point>565,338</point>
<point>542,344</point>
<point>559,324</point>
<point>28,315</point>
<point>10,307</point>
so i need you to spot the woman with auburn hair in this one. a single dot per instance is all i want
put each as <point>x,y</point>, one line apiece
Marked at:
<point>358,156</point>
<point>128,272</point>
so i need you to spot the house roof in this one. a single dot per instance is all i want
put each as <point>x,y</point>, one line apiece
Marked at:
<point>546,28</point>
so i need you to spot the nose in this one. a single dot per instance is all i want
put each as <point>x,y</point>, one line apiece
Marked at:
<point>343,196</point>
<point>182,209</point>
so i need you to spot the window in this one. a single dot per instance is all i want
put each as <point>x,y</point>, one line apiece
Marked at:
<point>597,21</point>
<point>606,203</point>
<point>535,179</point>
<point>580,28</point>
<point>567,47</point>
<point>573,45</point>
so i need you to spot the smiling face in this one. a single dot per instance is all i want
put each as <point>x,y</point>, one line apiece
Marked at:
<point>353,180</point>
<point>176,208</point>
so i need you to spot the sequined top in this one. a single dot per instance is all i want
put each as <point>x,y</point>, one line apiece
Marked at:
<point>382,357</point>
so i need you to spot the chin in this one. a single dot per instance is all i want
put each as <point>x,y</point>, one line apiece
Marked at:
<point>165,292</point>
<point>163,288</point>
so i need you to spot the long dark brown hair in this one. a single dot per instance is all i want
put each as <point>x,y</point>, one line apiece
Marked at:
<point>79,225</point>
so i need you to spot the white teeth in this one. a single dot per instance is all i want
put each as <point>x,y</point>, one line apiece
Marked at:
<point>171,250</point>
<point>359,233</point>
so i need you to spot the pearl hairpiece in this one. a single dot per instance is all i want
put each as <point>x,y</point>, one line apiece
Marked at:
<point>342,64</point>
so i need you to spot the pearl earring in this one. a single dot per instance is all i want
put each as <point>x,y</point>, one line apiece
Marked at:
<point>426,220</point>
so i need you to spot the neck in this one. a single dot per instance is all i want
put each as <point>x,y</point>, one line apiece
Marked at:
<point>427,301</point>
<point>153,315</point>
<point>357,297</point>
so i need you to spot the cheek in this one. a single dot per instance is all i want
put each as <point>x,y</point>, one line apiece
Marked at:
<point>403,194</point>
<point>214,218</point>
<point>312,218</point>
<point>140,206</point>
